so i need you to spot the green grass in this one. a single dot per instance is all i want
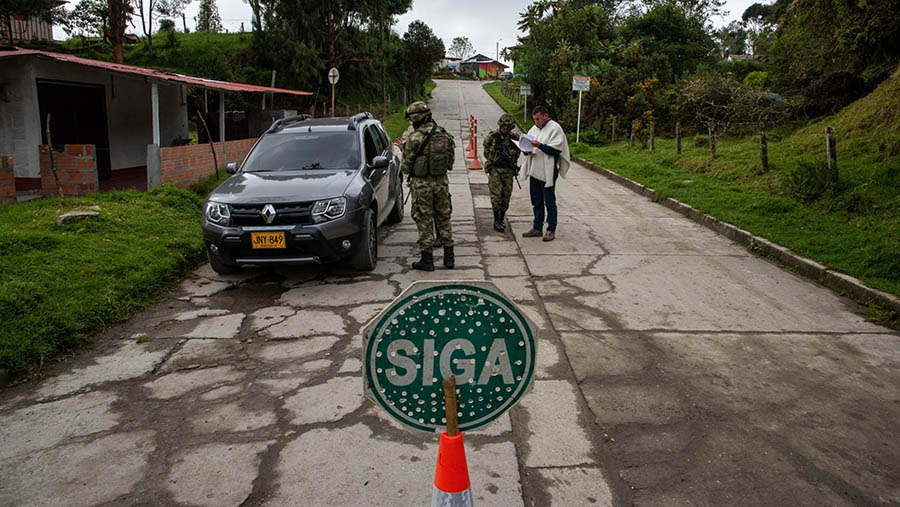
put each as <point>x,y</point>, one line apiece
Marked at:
<point>524,120</point>
<point>854,227</point>
<point>60,285</point>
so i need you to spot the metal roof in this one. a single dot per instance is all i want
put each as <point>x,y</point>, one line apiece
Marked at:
<point>152,74</point>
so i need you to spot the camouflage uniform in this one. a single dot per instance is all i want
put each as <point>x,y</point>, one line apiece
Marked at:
<point>500,157</point>
<point>430,194</point>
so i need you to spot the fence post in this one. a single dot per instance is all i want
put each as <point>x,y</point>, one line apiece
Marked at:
<point>830,147</point>
<point>652,136</point>
<point>678,137</point>
<point>763,152</point>
<point>712,141</point>
<point>613,138</point>
<point>631,140</point>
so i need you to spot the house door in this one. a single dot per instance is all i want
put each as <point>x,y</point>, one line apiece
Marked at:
<point>77,116</point>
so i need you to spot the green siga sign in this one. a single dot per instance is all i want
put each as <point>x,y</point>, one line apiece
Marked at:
<point>435,330</point>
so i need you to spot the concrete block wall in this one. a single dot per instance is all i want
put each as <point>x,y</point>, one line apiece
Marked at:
<point>76,167</point>
<point>7,180</point>
<point>183,166</point>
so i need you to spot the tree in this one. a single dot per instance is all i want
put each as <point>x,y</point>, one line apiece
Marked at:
<point>147,21</point>
<point>421,49</point>
<point>173,9</point>
<point>119,12</point>
<point>732,39</point>
<point>702,9</point>
<point>24,9</point>
<point>88,18</point>
<point>207,17</point>
<point>460,48</point>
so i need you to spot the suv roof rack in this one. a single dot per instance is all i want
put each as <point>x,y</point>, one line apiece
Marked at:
<point>358,117</point>
<point>283,122</point>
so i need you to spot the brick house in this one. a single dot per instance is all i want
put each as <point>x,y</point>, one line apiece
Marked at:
<point>129,124</point>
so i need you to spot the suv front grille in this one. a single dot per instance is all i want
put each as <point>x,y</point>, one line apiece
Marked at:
<point>285,214</point>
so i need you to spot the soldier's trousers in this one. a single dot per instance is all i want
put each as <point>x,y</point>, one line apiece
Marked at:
<point>500,184</point>
<point>431,204</point>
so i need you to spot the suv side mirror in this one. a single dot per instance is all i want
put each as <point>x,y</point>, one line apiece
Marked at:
<point>231,167</point>
<point>380,162</point>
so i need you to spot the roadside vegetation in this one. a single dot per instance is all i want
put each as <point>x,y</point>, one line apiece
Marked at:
<point>60,285</point>
<point>852,226</point>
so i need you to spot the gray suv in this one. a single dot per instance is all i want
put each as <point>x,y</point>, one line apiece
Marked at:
<point>309,191</point>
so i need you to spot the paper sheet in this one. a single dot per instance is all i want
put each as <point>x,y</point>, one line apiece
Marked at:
<point>525,145</point>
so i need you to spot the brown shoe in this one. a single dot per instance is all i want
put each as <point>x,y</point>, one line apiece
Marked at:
<point>550,236</point>
<point>533,233</point>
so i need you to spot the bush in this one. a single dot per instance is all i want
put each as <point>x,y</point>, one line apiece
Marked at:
<point>701,141</point>
<point>591,137</point>
<point>757,79</point>
<point>808,181</point>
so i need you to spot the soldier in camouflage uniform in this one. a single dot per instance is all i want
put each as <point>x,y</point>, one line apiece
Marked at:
<point>500,156</point>
<point>427,156</point>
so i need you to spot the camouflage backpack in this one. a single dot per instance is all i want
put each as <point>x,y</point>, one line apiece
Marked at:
<point>437,157</point>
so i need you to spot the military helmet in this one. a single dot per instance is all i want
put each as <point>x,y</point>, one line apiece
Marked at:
<point>507,120</point>
<point>417,111</point>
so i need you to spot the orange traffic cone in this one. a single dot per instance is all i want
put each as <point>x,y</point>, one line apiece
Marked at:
<point>475,165</point>
<point>451,476</point>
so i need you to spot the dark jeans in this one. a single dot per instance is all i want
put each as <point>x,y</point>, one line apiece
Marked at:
<point>542,196</point>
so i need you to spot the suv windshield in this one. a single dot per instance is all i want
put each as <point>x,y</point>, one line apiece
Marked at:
<point>304,150</point>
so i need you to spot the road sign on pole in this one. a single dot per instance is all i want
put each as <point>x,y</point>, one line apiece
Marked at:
<point>525,90</point>
<point>580,84</point>
<point>436,330</point>
<point>333,76</point>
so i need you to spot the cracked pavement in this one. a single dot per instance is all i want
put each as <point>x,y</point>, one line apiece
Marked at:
<point>673,368</point>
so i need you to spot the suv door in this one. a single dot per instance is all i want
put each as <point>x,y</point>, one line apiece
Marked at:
<point>378,178</point>
<point>394,167</point>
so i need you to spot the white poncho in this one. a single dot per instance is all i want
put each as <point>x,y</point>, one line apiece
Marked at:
<point>539,164</point>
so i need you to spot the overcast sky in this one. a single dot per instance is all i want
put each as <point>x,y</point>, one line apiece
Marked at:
<point>486,23</point>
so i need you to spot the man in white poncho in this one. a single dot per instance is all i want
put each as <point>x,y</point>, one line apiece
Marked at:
<point>543,166</point>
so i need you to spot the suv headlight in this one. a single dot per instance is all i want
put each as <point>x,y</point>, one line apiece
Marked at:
<point>218,213</point>
<point>323,211</point>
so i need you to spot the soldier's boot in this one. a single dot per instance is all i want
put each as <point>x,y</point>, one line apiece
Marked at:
<point>498,224</point>
<point>449,257</point>
<point>426,263</point>
<point>501,222</point>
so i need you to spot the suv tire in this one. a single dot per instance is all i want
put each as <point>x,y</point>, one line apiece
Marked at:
<point>397,211</point>
<point>366,254</point>
<point>219,266</point>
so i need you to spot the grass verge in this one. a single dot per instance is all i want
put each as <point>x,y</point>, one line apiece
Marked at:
<point>60,285</point>
<point>517,110</point>
<point>853,227</point>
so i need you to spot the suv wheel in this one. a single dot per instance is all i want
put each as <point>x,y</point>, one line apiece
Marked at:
<point>397,211</point>
<point>219,266</point>
<point>366,254</point>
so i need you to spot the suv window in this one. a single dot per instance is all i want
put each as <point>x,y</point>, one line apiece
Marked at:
<point>372,146</point>
<point>385,141</point>
<point>288,151</point>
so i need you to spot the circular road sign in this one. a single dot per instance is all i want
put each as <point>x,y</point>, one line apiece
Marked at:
<point>333,75</point>
<point>435,330</point>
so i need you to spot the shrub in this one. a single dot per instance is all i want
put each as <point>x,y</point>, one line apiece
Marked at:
<point>757,79</point>
<point>808,181</point>
<point>591,137</point>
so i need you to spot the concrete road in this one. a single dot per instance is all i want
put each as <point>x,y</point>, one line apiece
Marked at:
<point>674,368</point>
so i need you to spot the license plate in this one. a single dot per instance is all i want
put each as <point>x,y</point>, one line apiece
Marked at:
<point>267,239</point>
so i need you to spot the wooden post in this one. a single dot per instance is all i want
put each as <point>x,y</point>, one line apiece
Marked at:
<point>211,146</point>
<point>652,136</point>
<point>831,154</point>
<point>222,125</point>
<point>712,141</point>
<point>613,137</point>
<point>678,137</point>
<point>450,406</point>
<point>62,198</point>
<point>631,140</point>
<point>763,153</point>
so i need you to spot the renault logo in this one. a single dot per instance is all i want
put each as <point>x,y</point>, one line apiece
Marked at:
<point>268,213</point>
